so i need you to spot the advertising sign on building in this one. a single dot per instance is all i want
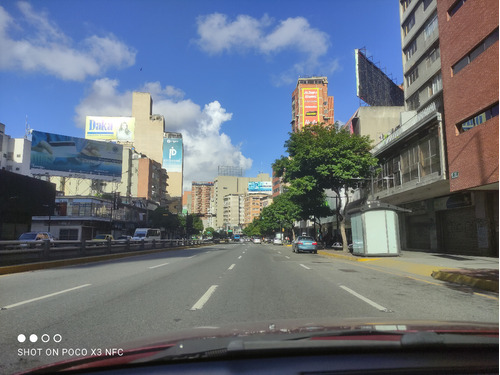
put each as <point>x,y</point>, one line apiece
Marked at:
<point>310,106</point>
<point>263,187</point>
<point>172,154</point>
<point>110,128</point>
<point>66,156</point>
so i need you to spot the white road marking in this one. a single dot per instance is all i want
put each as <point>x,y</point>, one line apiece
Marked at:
<point>159,265</point>
<point>239,257</point>
<point>45,296</point>
<point>368,301</point>
<point>307,268</point>
<point>198,305</point>
<point>287,257</point>
<point>231,266</point>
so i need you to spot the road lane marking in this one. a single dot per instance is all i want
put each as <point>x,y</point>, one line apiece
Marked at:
<point>198,305</point>
<point>45,296</point>
<point>307,268</point>
<point>287,257</point>
<point>231,266</point>
<point>239,257</point>
<point>159,265</point>
<point>368,301</point>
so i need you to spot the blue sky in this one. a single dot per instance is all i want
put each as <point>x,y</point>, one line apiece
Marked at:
<point>221,72</point>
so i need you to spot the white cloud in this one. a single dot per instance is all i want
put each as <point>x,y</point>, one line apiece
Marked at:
<point>206,146</point>
<point>44,48</point>
<point>217,34</point>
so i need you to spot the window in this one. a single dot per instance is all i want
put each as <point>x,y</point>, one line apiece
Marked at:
<point>455,7</point>
<point>412,77</point>
<point>405,4</point>
<point>478,119</point>
<point>413,102</point>
<point>433,56</point>
<point>483,46</point>
<point>68,234</point>
<point>408,25</point>
<point>436,85</point>
<point>410,51</point>
<point>427,3</point>
<point>431,27</point>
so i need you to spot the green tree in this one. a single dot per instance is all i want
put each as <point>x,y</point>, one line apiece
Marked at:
<point>281,214</point>
<point>324,157</point>
<point>162,218</point>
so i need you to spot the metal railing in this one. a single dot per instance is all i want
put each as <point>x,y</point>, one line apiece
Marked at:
<point>22,252</point>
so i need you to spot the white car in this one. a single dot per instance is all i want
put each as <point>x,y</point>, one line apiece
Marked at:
<point>257,240</point>
<point>277,241</point>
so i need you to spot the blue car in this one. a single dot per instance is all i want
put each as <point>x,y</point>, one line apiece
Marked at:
<point>305,243</point>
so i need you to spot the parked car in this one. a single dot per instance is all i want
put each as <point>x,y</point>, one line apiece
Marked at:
<point>32,239</point>
<point>305,243</point>
<point>277,241</point>
<point>103,237</point>
<point>256,240</point>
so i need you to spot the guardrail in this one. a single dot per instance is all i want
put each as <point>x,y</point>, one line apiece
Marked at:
<point>22,252</point>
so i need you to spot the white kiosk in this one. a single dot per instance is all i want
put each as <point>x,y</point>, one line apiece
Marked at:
<point>375,228</point>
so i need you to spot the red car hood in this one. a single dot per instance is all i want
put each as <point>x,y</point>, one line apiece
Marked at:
<point>318,329</point>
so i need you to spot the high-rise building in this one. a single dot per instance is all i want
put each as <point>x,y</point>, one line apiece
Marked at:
<point>201,194</point>
<point>469,57</point>
<point>311,103</point>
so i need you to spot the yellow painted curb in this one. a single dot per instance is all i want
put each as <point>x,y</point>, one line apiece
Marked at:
<point>489,285</point>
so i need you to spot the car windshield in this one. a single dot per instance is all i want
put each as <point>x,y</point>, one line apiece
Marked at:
<point>210,167</point>
<point>28,236</point>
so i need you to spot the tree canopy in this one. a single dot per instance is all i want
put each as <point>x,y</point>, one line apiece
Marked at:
<point>324,157</point>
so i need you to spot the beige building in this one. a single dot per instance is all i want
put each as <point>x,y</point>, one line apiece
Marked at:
<point>226,185</point>
<point>253,205</point>
<point>152,140</point>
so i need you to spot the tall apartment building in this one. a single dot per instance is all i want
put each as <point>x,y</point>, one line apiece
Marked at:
<point>419,160</point>
<point>468,31</point>
<point>311,103</point>
<point>201,195</point>
<point>413,158</point>
<point>226,185</point>
<point>151,139</point>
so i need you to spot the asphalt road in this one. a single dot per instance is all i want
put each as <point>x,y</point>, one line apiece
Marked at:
<point>104,305</point>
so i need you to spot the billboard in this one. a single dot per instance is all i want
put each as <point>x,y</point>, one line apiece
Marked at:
<point>310,106</point>
<point>110,128</point>
<point>172,154</point>
<point>262,187</point>
<point>373,86</point>
<point>61,155</point>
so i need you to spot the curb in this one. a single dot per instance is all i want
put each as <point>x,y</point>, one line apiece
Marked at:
<point>4,270</point>
<point>450,276</point>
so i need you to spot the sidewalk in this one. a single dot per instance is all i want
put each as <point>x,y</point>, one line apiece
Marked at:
<point>478,272</point>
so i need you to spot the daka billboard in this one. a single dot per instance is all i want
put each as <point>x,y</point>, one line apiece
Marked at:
<point>110,128</point>
<point>61,155</point>
<point>172,154</point>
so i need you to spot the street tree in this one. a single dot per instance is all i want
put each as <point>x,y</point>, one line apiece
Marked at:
<point>325,157</point>
<point>280,215</point>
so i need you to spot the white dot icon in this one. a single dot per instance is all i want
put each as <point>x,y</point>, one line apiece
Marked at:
<point>33,338</point>
<point>21,338</point>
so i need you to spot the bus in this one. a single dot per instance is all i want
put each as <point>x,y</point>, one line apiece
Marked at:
<point>146,234</point>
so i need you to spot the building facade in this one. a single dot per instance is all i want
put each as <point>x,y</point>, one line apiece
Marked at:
<point>311,103</point>
<point>468,31</point>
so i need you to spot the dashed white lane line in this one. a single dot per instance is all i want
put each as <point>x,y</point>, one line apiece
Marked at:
<point>45,296</point>
<point>287,257</point>
<point>307,268</point>
<point>239,257</point>
<point>199,305</point>
<point>368,301</point>
<point>231,266</point>
<point>158,265</point>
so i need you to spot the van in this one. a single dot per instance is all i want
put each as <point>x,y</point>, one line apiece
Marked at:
<point>146,234</point>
